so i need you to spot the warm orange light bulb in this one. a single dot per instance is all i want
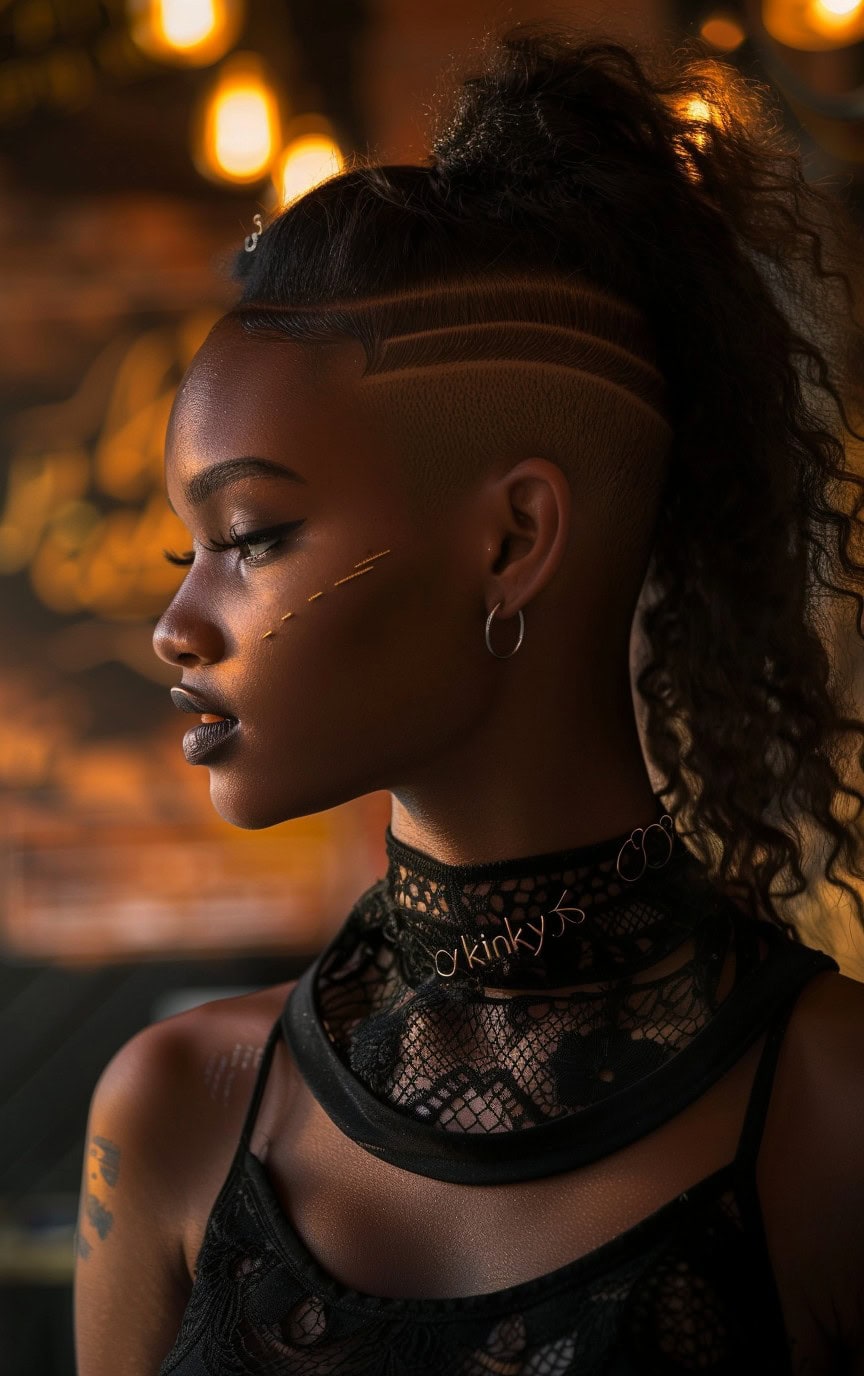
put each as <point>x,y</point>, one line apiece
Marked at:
<point>723,31</point>
<point>239,123</point>
<point>308,159</point>
<point>189,32</point>
<point>814,25</point>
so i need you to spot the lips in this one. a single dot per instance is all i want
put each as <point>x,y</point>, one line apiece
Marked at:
<point>202,742</point>
<point>216,729</point>
<point>185,700</point>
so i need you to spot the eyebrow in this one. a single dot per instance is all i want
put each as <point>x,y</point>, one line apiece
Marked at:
<point>204,484</point>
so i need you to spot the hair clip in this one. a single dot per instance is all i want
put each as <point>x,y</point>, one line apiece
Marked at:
<point>256,220</point>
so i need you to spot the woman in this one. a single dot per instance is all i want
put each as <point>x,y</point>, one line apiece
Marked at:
<point>562,1094</point>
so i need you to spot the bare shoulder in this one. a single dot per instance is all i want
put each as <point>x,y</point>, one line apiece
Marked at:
<point>186,1050</point>
<point>160,1126</point>
<point>827,1032</point>
<point>819,1115</point>
<point>824,1053</point>
<point>200,1066</point>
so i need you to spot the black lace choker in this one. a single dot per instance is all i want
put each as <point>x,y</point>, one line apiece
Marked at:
<point>587,913</point>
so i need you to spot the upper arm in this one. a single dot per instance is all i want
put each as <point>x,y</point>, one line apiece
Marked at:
<point>829,1055</point>
<point>131,1284</point>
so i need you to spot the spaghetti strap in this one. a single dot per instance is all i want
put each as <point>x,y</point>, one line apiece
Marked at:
<point>258,1089</point>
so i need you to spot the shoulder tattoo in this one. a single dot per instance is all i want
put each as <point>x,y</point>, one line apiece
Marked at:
<point>101,1174</point>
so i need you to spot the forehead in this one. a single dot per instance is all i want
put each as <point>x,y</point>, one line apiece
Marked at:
<point>274,397</point>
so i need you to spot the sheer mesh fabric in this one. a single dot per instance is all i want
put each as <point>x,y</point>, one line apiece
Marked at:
<point>687,1290</point>
<point>453,1055</point>
<point>459,1079</point>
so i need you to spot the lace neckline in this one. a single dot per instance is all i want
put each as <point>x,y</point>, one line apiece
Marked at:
<point>586,913</point>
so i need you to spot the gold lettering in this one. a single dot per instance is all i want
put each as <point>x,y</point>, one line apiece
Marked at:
<point>445,973</point>
<point>517,940</point>
<point>495,941</point>
<point>541,931</point>
<point>471,956</point>
<point>563,911</point>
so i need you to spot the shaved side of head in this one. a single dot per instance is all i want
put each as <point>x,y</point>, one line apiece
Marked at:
<point>465,378</point>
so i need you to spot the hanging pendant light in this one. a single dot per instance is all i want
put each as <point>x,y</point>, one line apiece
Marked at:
<point>237,126</point>
<point>185,32</point>
<point>311,155</point>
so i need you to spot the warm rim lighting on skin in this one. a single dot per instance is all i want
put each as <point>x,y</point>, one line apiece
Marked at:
<point>306,162</point>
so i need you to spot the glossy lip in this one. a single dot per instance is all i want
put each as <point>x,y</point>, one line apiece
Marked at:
<point>186,700</point>
<point>204,740</point>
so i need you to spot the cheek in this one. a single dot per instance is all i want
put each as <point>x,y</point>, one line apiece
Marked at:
<point>371,660</point>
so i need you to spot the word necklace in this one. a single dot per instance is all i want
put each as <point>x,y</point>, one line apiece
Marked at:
<point>513,940</point>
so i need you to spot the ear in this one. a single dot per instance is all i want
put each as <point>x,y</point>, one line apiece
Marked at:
<point>529,512</point>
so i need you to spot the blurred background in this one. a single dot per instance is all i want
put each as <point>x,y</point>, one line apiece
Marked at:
<point>137,143</point>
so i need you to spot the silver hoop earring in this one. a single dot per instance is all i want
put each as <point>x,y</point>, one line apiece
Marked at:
<point>518,642</point>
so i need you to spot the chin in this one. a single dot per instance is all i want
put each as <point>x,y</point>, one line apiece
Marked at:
<point>251,811</point>
<point>239,810</point>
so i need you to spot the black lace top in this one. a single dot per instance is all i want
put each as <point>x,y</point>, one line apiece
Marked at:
<point>440,1067</point>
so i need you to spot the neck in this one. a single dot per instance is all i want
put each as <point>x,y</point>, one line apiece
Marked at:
<point>569,771</point>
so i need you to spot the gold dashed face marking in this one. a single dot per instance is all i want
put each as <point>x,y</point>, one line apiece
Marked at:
<point>370,557</point>
<point>362,566</point>
<point>358,574</point>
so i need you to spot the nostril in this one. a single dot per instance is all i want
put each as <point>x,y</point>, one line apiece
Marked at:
<point>176,631</point>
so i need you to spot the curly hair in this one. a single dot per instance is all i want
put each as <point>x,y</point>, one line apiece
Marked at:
<point>663,176</point>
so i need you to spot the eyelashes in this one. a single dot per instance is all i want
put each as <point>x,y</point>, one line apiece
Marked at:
<point>269,536</point>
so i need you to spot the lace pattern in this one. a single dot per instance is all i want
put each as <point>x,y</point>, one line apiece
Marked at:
<point>683,1291</point>
<point>586,913</point>
<point>455,1081</point>
<point>469,1063</point>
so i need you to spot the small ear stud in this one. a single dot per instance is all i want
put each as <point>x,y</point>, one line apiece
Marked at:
<point>286,616</point>
<point>268,635</point>
<point>314,595</point>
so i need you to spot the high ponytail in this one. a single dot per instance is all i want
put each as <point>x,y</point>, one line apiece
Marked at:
<point>665,181</point>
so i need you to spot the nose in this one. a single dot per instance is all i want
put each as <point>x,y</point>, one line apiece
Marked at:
<point>184,637</point>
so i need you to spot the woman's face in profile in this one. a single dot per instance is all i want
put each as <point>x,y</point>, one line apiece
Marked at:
<point>372,676</point>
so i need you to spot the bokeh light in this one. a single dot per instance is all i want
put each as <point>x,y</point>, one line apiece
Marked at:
<point>311,156</point>
<point>186,32</point>
<point>238,125</point>
<point>814,25</point>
